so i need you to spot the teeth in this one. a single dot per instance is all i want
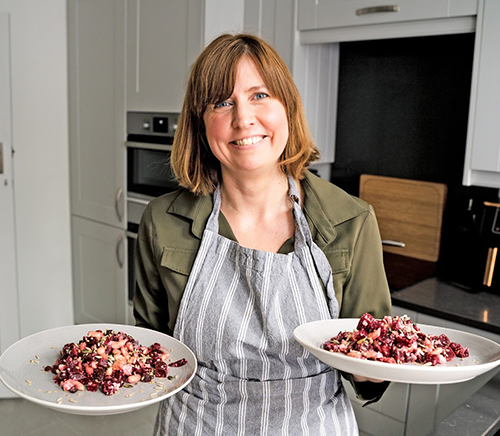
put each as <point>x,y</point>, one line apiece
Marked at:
<point>248,141</point>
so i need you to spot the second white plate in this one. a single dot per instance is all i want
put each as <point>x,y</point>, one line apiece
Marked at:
<point>484,355</point>
<point>22,371</point>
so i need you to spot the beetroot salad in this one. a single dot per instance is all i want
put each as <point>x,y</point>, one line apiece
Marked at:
<point>108,360</point>
<point>395,340</point>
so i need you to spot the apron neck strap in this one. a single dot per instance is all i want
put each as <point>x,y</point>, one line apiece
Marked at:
<point>213,220</point>
<point>302,233</point>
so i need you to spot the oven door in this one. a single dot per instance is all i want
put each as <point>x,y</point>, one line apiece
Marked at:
<point>148,169</point>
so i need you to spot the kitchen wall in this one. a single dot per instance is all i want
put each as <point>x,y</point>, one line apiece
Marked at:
<point>40,165</point>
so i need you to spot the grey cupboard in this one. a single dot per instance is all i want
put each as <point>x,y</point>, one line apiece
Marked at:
<point>96,57</point>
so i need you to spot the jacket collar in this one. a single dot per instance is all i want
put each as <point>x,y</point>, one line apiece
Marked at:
<point>323,231</point>
<point>197,208</point>
<point>325,207</point>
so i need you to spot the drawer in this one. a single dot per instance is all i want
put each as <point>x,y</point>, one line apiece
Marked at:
<point>321,14</point>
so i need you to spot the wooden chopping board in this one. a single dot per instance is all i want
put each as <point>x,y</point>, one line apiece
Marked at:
<point>409,211</point>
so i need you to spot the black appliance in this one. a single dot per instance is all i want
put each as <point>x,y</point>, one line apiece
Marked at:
<point>489,233</point>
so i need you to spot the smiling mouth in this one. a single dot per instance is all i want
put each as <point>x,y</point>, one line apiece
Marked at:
<point>248,141</point>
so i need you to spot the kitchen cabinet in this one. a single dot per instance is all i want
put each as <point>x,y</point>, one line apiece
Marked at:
<point>314,14</point>
<point>482,160</point>
<point>354,20</point>
<point>100,271</point>
<point>273,20</point>
<point>9,309</point>
<point>162,39</point>
<point>35,250</point>
<point>96,40</point>
<point>97,109</point>
<point>412,409</point>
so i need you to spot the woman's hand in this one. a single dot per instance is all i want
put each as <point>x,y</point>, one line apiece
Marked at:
<point>360,378</point>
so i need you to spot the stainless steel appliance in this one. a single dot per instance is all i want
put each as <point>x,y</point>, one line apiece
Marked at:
<point>149,144</point>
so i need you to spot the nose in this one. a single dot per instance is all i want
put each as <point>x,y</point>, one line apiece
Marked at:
<point>243,116</point>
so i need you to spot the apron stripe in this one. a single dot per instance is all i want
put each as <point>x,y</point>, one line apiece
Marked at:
<point>168,416</point>
<point>320,410</point>
<point>182,418</point>
<point>219,345</point>
<point>313,277</point>
<point>266,391</point>
<point>335,417</point>
<point>347,413</point>
<point>206,298</point>
<point>220,408</point>
<point>264,420</point>
<point>201,403</point>
<point>264,297</point>
<point>240,353</point>
<point>286,367</point>
<point>305,399</point>
<point>288,407</point>
<point>198,263</point>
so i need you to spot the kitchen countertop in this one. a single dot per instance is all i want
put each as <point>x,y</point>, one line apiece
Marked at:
<point>444,300</point>
<point>480,413</point>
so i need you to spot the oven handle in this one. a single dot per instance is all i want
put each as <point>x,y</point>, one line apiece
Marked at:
<point>130,234</point>
<point>136,200</point>
<point>148,146</point>
<point>118,197</point>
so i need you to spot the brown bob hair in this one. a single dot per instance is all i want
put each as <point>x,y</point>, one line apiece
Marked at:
<point>211,81</point>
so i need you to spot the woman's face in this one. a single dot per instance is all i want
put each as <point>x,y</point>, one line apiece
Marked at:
<point>247,132</point>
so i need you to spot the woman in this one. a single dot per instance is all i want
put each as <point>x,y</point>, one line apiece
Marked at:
<point>253,246</point>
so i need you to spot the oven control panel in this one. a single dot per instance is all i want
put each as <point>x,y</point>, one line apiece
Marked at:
<point>141,126</point>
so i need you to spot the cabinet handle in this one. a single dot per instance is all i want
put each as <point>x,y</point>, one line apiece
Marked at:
<point>118,197</point>
<point>119,243</point>
<point>377,9</point>
<point>1,158</point>
<point>393,243</point>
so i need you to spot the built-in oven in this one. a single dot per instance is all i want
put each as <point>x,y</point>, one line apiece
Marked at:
<point>149,145</point>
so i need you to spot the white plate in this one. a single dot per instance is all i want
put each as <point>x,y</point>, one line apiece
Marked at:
<point>20,363</point>
<point>484,355</point>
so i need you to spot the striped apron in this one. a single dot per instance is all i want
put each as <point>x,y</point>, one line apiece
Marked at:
<point>238,312</point>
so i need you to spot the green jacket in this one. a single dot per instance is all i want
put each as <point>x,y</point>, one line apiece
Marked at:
<point>343,226</point>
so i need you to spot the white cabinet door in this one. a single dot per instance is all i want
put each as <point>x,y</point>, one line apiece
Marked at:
<point>100,273</point>
<point>159,44</point>
<point>9,309</point>
<point>482,163</point>
<point>320,14</point>
<point>97,109</point>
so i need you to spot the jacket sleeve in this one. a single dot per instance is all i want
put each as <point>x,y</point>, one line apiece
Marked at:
<point>365,288</point>
<point>150,299</point>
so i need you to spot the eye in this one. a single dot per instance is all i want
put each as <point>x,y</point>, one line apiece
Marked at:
<point>221,104</point>
<point>261,95</point>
